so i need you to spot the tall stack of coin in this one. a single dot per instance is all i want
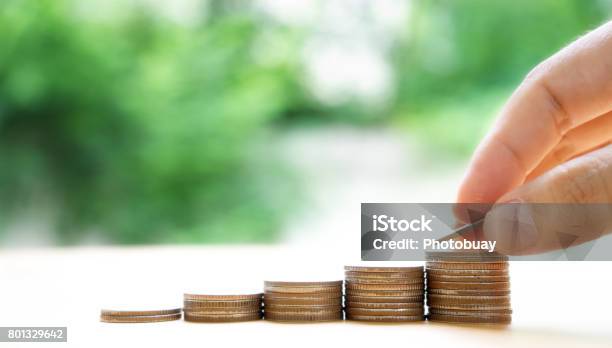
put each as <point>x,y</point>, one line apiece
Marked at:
<point>303,301</point>
<point>222,308</point>
<point>384,294</point>
<point>468,288</point>
<point>148,316</point>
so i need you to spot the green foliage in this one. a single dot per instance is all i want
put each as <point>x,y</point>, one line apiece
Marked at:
<point>463,57</point>
<point>457,47</point>
<point>140,129</point>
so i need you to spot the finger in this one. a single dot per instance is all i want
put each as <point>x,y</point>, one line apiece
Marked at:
<point>569,89</point>
<point>467,213</point>
<point>577,197</point>
<point>587,137</point>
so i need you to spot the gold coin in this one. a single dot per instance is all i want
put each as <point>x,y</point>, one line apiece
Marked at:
<point>433,299</point>
<point>140,319</point>
<point>467,272</point>
<point>469,292</point>
<point>303,316</point>
<point>384,269</point>
<point>385,281</point>
<point>385,293</point>
<point>330,284</point>
<point>384,275</point>
<point>379,305</point>
<point>222,304</point>
<point>468,286</point>
<point>386,318</point>
<point>197,297</point>
<point>201,318</point>
<point>467,265</point>
<point>500,319</point>
<point>302,290</point>
<point>303,301</point>
<point>385,299</point>
<point>387,287</point>
<point>115,313</point>
<point>385,312</point>
<point>468,279</point>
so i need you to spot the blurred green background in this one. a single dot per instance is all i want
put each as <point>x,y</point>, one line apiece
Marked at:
<point>149,121</point>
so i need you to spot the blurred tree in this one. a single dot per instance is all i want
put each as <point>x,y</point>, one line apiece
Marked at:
<point>138,128</point>
<point>460,46</point>
<point>463,58</point>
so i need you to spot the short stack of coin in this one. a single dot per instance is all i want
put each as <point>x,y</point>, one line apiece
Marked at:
<point>303,301</point>
<point>468,288</point>
<point>148,316</point>
<point>384,294</point>
<point>222,308</point>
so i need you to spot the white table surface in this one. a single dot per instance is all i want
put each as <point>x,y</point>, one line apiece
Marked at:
<point>563,304</point>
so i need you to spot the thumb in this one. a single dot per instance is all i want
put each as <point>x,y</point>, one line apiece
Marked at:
<point>567,206</point>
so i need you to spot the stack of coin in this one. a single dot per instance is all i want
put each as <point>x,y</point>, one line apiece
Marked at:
<point>384,294</point>
<point>222,308</point>
<point>303,301</point>
<point>468,288</point>
<point>148,316</point>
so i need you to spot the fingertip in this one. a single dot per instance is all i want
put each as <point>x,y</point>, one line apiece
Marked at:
<point>492,172</point>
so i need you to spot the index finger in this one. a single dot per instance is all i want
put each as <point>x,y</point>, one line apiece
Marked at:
<point>572,87</point>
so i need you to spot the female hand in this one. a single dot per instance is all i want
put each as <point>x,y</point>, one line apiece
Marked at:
<point>550,144</point>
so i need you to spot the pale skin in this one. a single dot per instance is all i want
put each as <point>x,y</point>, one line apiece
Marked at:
<point>551,143</point>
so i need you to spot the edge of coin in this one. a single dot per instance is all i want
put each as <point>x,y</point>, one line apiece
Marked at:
<point>308,317</point>
<point>380,305</point>
<point>130,313</point>
<point>385,275</point>
<point>302,290</point>
<point>385,299</point>
<point>388,319</point>
<point>323,284</point>
<point>468,299</point>
<point>222,304</point>
<point>140,319</point>
<point>385,293</point>
<point>387,287</point>
<point>384,269</point>
<point>391,281</point>
<point>469,320</point>
<point>197,318</point>
<point>205,297</point>
<point>385,312</point>
<point>466,265</point>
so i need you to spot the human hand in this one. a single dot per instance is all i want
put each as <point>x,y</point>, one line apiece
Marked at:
<point>550,144</point>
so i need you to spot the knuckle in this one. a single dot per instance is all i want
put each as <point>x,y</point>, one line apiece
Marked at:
<point>537,82</point>
<point>537,72</point>
<point>560,118</point>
